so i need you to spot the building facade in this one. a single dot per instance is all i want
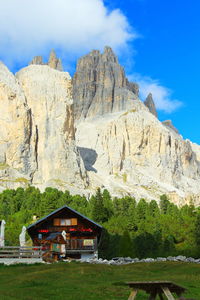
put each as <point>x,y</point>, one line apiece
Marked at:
<point>67,233</point>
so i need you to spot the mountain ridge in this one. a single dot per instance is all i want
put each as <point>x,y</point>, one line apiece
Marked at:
<point>90,131</point>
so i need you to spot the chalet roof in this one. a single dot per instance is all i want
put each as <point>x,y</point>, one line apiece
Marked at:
<point>59,209</point>
<point>53,235</point>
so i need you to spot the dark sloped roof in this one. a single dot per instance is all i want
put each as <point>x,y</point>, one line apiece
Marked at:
<point>53,235</point>
<point>57,210</point>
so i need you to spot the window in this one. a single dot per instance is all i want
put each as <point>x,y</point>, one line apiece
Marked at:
<point>88,242</point>
<point>65,222</point>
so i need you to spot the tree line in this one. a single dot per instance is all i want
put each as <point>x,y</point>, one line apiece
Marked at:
<point>131,228</point>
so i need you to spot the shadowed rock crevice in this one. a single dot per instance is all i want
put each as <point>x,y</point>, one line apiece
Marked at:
<point>89,157</point>
<point>36,145</point>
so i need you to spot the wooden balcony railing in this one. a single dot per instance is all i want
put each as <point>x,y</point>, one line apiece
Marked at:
<point>81,244</point>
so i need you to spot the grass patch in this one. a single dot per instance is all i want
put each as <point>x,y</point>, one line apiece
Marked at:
<point>3,166</point>
<point>124,176</point>
<point>91,282</point>
<point>128,112</point>
<point>19,179</point>
<point>22,180</point>
<point>59,182</point>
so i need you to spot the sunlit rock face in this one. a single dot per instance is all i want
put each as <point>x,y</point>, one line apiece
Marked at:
<point>134,152</point>
<point>16,149</point>
<point>117,141</point>
<point>137,154</point>
<point>100,85</point>
<point>48,94</point>
<point>37,143</point>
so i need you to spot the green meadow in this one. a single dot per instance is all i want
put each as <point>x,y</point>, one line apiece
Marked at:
<point>83,281</point>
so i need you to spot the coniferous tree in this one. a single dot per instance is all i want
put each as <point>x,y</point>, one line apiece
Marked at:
<point>169,246</point>
<point>164,203</point>
<point>166,231</point>
<point>153,209</point>
<point>99,212</point>
<point>125,245</point>
<point>141,210</point>
<point>197,233</point>
<point>145,245</point>
<point>103,249</point>
<point>108,203</point>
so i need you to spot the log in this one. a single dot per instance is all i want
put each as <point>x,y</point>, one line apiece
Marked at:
<point>168,293</point>
<point>133,295</point>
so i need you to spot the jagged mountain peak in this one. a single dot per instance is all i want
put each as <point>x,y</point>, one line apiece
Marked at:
<point>109,56</point>
<point>149,102</point>
<point>53,61</point>
<point>100,85</point>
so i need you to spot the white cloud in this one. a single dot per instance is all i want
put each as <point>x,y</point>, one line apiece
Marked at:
<point>74,27</point>
<point>162,95</point>
<point>30,27</point>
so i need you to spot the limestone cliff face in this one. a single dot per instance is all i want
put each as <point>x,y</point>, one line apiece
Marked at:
<point>100,85</point>
<point>196,149</point>
<point>16,151</point>
<point>48,94</point>
<point>168,124</point>
<point>129,151</point>
<point>138,155</point>
<point>37,130</point>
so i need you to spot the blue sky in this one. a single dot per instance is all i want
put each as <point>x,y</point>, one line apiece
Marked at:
<point>158,42</point>
<point>169,50</point>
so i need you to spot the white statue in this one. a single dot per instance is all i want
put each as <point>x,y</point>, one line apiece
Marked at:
<point>22,237</point>
<point>64,234</point>
<point>2,241</point>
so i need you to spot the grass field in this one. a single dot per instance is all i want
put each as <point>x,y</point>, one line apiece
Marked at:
<point>83,281</point>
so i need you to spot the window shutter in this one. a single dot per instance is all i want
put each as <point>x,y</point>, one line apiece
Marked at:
<point>56,222</point>
<point>74,221</point>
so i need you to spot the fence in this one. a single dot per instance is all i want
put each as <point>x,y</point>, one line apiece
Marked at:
<point>20,252</point>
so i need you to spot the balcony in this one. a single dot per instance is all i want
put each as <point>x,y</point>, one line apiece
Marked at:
<point>76,246</point>
<point>81,245</point>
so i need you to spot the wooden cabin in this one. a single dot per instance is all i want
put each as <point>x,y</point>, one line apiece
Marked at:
<point>68,233</point>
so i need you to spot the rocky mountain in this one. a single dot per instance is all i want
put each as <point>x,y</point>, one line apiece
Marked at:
<point>151,105</point>
<point>124,146</point>
<point>168,124</point>
<point>136,154</point>
<point>100,85</point>
<point>37,142</point>
<point>53,61</point>
<point>91,131</point>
